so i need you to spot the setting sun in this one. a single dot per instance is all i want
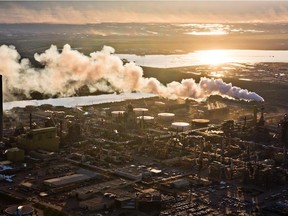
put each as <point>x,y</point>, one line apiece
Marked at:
<point>214,57</point>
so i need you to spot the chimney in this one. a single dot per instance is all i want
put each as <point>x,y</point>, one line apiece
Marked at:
<point>61,130</point>
<point>255,115</point>
<point>1,108</point>
<point>30,121</point>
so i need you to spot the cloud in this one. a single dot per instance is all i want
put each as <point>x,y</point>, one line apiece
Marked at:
<point>136,11</point>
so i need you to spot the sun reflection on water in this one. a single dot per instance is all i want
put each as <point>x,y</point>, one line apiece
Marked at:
<point>214,57</point>
<point>216,32</point>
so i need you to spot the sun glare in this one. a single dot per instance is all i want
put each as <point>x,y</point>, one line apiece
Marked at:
<point>216,32</point>
<point>214,57</point>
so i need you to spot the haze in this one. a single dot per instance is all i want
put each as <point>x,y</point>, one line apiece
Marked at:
<point>83,12</point>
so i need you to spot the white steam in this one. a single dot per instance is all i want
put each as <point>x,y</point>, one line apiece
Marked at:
<point>65,72</point>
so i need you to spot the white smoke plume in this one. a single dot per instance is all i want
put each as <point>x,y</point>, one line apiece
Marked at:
<point>66,71</point>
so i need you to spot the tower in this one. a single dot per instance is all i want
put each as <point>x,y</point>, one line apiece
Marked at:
<point>255,115</point>
<point>262,120</point>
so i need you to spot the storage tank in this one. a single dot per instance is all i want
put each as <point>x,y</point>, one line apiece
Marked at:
<point>181,126</point>
<point>140,111</point>
<point>146,118</point>
<point>160,103</point>
<point>117,113</point>
<point>19,210</point>
<point>200,122</point>
<point>166,116</point>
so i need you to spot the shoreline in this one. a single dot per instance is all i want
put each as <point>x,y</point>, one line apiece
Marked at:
<point>208,57</point>
<point>77,101</point>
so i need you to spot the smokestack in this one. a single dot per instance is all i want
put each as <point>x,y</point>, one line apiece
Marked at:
<point>255,115</point>
<point>1,108</point>
<point>60,132</point>
<point>30,121</point>
<point>262,120</point>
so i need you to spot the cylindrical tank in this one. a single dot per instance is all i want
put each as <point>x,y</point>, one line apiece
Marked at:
<point>140,111</point>
<point>166,116</point>
<point>118,113</point>
<point>160,103</point>
<point>200,122</point>
<point>146,118</point>
<point>19,210</point>
<point>181,126</point>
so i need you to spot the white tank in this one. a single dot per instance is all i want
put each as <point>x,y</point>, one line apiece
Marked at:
<point>166,116</point>
<point>146,118</point>
<point>160,103</point>
<point>181,126</point>
<point>19,210</point>
<point>117,113</point>
<point>140,111</point>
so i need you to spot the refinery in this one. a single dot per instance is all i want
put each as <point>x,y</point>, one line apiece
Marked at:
<point>143,108</point>
<point>149,156</point>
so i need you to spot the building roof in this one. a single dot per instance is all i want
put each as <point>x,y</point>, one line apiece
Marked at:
<point>27,184</point>
<point>43,130</point>
<point>120,193</point>
<point>15,149</point>
<point>89,173</point>
<point>131,172</point>
<point>98,200</point>
<point>70,179</point>
<point>101,186</point>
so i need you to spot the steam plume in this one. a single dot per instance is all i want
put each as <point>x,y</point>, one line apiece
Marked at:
<point>65,72</point>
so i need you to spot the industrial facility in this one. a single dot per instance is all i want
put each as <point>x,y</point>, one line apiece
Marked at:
<point>150,156</point>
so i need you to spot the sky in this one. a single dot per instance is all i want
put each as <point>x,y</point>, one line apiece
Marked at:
<point>161,11</point>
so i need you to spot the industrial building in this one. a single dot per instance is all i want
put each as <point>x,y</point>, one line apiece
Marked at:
<point>81,176</point>
<point>42,138</point>
<point>66,180</point>
<point>91,190</point>
<point>15,154</point>
<point>97,203</point>
<point>131,172</point>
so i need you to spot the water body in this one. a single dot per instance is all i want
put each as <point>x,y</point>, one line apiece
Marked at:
<point>78,101</point>
<point>208,57</point>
